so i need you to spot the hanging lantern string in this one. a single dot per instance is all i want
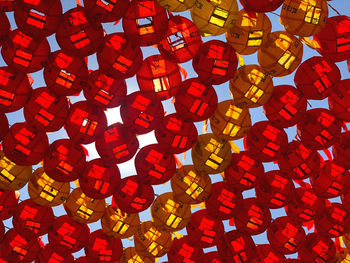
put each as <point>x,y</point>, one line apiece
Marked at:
<point>335,10</point>
<point>274,14</point>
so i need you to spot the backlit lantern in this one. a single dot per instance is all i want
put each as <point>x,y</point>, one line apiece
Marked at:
<point>119,57</point>
<point>25,144</point>
<point>145,22</point>
<point>117,144</point>
<point>230,122</point>
<point>265,142</point>
<point>316,77</point>
<point>251,87</point>
<point>32,220</point>
<point>274,190</point>
<point>216,61</point>
<point>175,135</point>
<point>4,126</point>
<point>261,6</point>
<point>169,214</point>
<point>182,251</point>
<point>104,91</point>
<point>13,176</point>
<point>68,235</point>
<point>4,27</point>
<point>45,191</point>
<point>49,254</point>
<point>190,186</point>
<point>153,165</point>
<point>319,129</point>
<point>9,203</point>
<point>151,241</point>
<point>222,201</point>
<point>99,179</point>
<point>281,54</point>
<point>176,5</point>
<point>340,150</point>
<point>46,110</point>
<point>183,40</point>
<point>65,75</point>
<point>251,216</point>
<point>103,248</point>
<point>195,101</point>
<point>159,76</point>
<point>304,18</point>
<point>85,122</point>
<point>211,154</point>
<point>24,53</point>
<point>285,107</point>
<point>333,39</point>
<point>106,11</point>
<point>82,208</point>
<point>141,112</point>
<point>249,32</point>
<point>130,256</point>
<point>338,100</point>
<point>118,224</point>
<point>133,196</point>
<point>298,161</point>
<point>265,253</point>
<point>204,230</point>
<point>38,18</point>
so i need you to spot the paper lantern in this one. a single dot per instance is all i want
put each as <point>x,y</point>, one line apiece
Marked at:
<point>169,214</point>
<point>338,100</point>
<point>251,87</point>
<point>249,32</point>
<point>176,5</point>
<point>45,191</point>
<point>230,122</point>
<point>130,256</point>
<point>9,201</point>
<point>215,62</point>
<point>281,54</point>
<point>99,179</point>
<point>4,126</point>
<point>182,251</point>
<point>265,253</point>
<point>49,254</point>
<point>190,186</point>
<point>261,6</point>
<point>340,150</point>
<point>4,28</point>
<point>106,11</point>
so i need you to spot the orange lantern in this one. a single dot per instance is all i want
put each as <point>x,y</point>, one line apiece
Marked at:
<point>176,5</point>
<point>130,256</point>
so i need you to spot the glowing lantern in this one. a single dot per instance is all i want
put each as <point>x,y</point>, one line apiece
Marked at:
<point>182,251</point>
<point>317,248</point>
<point>130,256</point>
<point>340,150</point>
<point>265,253</point>
<point>176,5</point>
<point>4,27</point>
<point>49,254</point>
<point>339,100</point>
<point>106,11</point>
<point>9,203</point>
<point>262,6</point>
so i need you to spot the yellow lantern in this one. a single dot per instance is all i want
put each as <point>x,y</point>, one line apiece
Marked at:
<point>176,5</point>
<point>130,256</point>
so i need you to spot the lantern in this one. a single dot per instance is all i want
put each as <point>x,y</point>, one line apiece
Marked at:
<point>49,254</point>
<point>181,251</point>
<point>249,32</point>
<point>4,28</point>
<point>169,214</point>
<point>230,122</point>
<point>4,126</point>
<point>104,11</point>
<point>338,100</point>
<point>176,5</point>
<point>265,253</point>
<point>251,87</point>
<point>281,54</point>
<point>45,191</point>
<point>130,256</point>
<point>262,6</point>
<point>212,257</point>
<point>9,203</point>
<point>7,6</point>
<point>215,62</point>
<point>340,150</point>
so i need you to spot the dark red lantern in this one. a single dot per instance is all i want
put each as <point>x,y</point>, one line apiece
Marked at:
<point>4,126</point>
<point>7,5</point>
<point>9,203</point>
<point>341,150</point>
<point>106,11</point>
<point>265,253</point>
<point>50,254</point>
<point>212,257</point>
<point>339,100</point>
<point>4,27</point>
<point>261,6</point>
<point>2,230</point>
<point>182,251</point>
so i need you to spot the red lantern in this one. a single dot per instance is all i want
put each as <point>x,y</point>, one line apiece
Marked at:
<point>7,6</point>
<point>215,62</point>
<point>182,251</point>
<point>339,100</point>
<point>45,110</point>
<point>49,254</point>
<point>212,257</point>
<point>261,6</point>
<point>64,160</point>
<point>4,126</point>
<point>341,149</point>
<point>4,27</point>
<point>9,203</point>
<point>265,253</point>
<point>106,11</point>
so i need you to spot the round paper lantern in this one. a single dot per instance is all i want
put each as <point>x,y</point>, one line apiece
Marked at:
<point>38,18</point>
<point>175,135</point>
<point>316,77</point>
<point>190,186</point>
<point>251,87</point>
<point>338,100</point>
<point>145,22</point>
<point>99,179</point>
<point>216,61</point>
<point>65,75</point>
<point>211,154</point>
<point>104,91</point>
<point>82,208</point>
<point>285,107</point>
<point>24,53</point>
<point>168,214</point>
<point>230,122</point>
<point>49,254</point>
<point>182,251</point>
<point>183,40</point>
<point>176,5</point>
<point>45,110</point>
<point>118,224</point>
<point>333,39</point>
<point>251,216</point>
<point>318,129</point>
<point>9,201</point>
<point>340,150</point>
<point>159,76</point>
<point>117,144</point>
<point>68,235</point>
<point>262,6</point>
<point>281,54</point>
<point>133,196</point>
<point>130,256</point>
<point>102,248</point>
<point>106,11</point>
<point>265,142</point>
<point>151,241</point>
<point>222,201</point>
<point>4,28</point>
<point>45,191</point>
<point>4,126</point>
<point>249,32</point>
<point>204,230</point>
<point>265,253</point>
<point>195,101</point>
<point>141,112</point>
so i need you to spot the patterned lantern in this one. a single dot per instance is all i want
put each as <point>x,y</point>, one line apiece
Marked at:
<point>317,248</point>
<point>106,11</point>
<point>339,100</point>
<point>4,27</point>
<point>182,251</point>
<point>130,256</point>
<point>9,203</point>
<point>340,150</point>
<point>262,6</point>
<point>49,254</point>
